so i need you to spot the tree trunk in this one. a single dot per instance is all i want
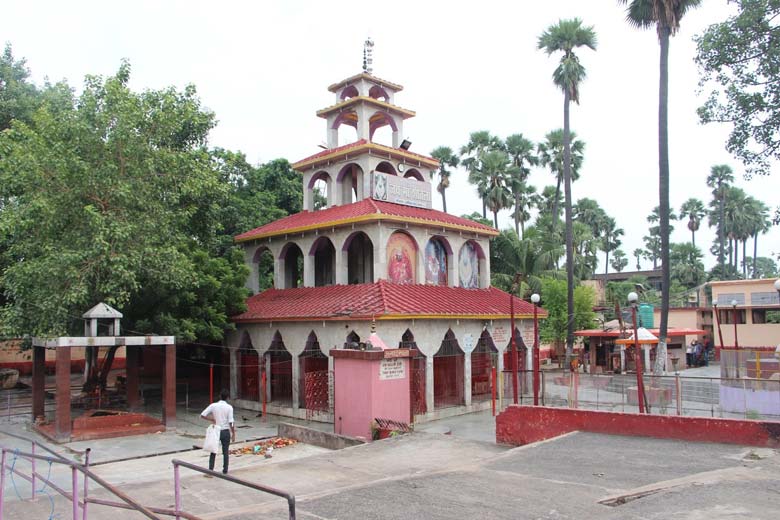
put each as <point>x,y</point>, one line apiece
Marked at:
<point>693,238</point>
<point>755,254</point>
<point>606,262</point>
<point>736,257</point>
<point>517,217</point>
<point>106,367</point>
<point>484,209</point>
<point>522,229</point>
<point>443,201</point>
<point>554,216</point>
<point>721,229</point>
<point>569,231</point>
<point>495,219</point>
<point>744,258</point>
<point>663,195</point>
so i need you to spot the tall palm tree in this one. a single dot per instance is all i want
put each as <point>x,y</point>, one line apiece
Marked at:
<point>665,16</point>
<point>525,199</point>
<point>551,155</point>
<point>694,209</point>
<point>639,253</point>
<point>521,153</point>
<point>497,170</point>
<point>447,159</point>
<point>619,260</point>
<point>720,177</point>
<point>564,37</point>
<point>471,153</point>
<point>531,258</point>
<point>761,225</point>
<point>610,239</point>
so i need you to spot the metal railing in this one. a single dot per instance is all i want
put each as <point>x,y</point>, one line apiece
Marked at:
<point>745,398</point>
<point>259,487</point>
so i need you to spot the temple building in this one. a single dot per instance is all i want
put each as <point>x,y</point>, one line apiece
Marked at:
<point>369,251</point>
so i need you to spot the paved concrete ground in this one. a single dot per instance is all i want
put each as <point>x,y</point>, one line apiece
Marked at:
<point>445,476</point>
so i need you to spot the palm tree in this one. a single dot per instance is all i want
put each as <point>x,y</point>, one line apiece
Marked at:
<point>694,209</point>
<point>565,37</point>
<point>665,16</point>
<point>610,239</point>
<point>639,253</point>
<point>471,153</point>
<point>588,212</point>
<point>496,170</point>
<point>719,178</point>
<point>525,199</point>
<point>447,159</point>
<point>761,225</point>
<point>531,258</point>
<point>521,153</point>
<point>551,154</point>
<point>619,260</point>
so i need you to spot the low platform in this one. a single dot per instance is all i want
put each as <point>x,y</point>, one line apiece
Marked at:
<point>104,424</point>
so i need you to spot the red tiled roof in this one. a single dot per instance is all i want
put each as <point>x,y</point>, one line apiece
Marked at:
<point>363,146</point>
<point>338,149</point>
<point>361,211</point>
<point>382,300</point>
<point>615,333</point>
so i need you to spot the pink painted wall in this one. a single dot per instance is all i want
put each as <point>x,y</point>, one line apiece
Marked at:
<point>360,396</point>
<point>519,425</point>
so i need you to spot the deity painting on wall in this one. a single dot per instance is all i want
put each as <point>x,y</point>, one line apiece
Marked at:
<point>401,258</point>
<point>435,263</point>
<point>468,266</point>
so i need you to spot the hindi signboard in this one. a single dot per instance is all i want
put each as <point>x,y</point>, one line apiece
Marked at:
<point>500,335</point>
<point>400,190</point>
<point>392,369</point>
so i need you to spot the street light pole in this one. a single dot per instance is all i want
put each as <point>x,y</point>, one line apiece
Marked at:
<point>734,307</point>
<point>640,384</point>
<point>535,301</point>
<point>513,343</point>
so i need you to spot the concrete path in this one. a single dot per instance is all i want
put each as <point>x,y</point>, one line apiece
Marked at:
<point>435,476</point>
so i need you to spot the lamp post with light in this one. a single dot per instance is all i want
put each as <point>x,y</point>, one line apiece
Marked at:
<point>640,384</point>
<point>734,307</point>
<point>513,342</point>
<point>535,300</point>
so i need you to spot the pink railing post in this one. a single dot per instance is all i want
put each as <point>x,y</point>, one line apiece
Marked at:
<point>75,496</point>
<point>2,483</point>
<point>86,481</point>
<point>32,463</point>
<point>176,490</point>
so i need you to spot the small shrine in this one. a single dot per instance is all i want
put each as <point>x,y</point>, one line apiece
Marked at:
<point>100,422</point>
<point>369,246</point>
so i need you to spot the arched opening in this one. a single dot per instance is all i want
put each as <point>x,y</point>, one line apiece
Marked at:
<point>292,257</point>
<point>448,366</point>
<point>360,258</point>
<point>401,258</point>
<point>386,167</point>
<point>349,92</point>
<point>319,188</point>
<point>345,125</point>
<point>484,358</point>
<point>352,341</point>
<point>469,260</point>
<point>417,376</point>
<point>350,182</point>
<point>263,262</point>
<point>324,262</point>
<point>380,93</point>
<point>381,127</point>
<point>521,365</point>
<point>249,363</point>
<point>437,251</point>
<point>414,173</point>
<point>279,367</point>
<point>314,387</point>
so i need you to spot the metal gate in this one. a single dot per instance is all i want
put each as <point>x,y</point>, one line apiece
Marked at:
<point>484,358</point>
<point>448,367</point>
<point>417,365</point>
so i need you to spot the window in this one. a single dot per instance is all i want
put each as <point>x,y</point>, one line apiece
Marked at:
<point>726,316</point>
<point>761,316</point>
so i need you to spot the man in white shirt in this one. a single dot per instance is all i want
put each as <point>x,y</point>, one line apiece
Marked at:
<point>221,414</point>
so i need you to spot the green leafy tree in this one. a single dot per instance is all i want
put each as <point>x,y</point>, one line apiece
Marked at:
<point>564,37</point>
<point>116,199</point>
<point>619,261</point>
<point>664,16</point>
<point>18,96</point>
<point>447,159</point>
<point>763,267</point>
<point>522,156</point>
<point>555,327</point>
<point>739,60</point>
<point>687,267</point>
<point>551,155</point>
<point>639,253</point>
<point>496,171</point>
<point>529,257</point>
<point>610,239</point>
<point>471,158</point>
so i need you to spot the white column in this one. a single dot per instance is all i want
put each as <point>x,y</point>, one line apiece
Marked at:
<point>499,376</point>
<point>234,373</point>
<point>308,270</point>
<point>342,265</point>
<point>646,348</point>
<point>467,379</point>
<point>429,383</point>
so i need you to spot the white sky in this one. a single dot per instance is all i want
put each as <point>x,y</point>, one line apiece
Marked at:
<point>264,68</point>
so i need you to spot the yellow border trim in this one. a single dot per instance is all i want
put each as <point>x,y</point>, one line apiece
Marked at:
<point>371,217</point>
<point>363,75</point>
<point>371,101</point>
<point>358,150</point>
<point>395,317</point>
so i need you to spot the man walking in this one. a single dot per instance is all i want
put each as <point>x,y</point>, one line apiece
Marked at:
<point>221,414</point>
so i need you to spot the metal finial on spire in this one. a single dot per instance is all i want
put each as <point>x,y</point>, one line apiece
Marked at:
<point>368,59</point>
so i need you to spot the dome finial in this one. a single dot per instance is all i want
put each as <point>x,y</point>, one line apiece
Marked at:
<point>368,59</point>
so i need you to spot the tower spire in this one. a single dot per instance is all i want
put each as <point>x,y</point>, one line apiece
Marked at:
<point>368,59</point>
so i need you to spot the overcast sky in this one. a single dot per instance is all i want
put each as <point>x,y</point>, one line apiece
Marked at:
<point>264,68</point>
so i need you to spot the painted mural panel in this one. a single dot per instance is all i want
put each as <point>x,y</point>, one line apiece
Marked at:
<point>401,258</point>
<point>468,266</point>
<point>435,263</point>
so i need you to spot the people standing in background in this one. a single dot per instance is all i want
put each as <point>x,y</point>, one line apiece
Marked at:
<point>689,355</point>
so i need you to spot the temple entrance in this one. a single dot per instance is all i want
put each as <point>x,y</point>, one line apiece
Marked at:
<point>523,372</point>
<point>249,363</point>
<point>360,259</point>
<point>417,379</point>
<point>484,359</point>
<point>279,366</point>
<point>448,366</point>
<point>314,386</point>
